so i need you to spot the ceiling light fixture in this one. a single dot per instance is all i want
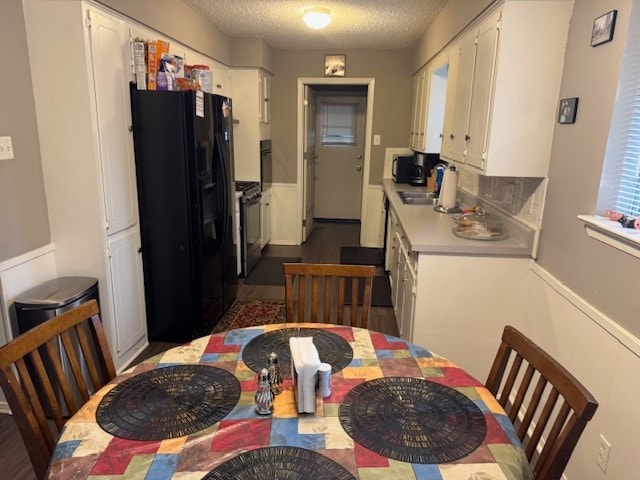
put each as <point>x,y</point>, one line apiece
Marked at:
<point>317,18</point>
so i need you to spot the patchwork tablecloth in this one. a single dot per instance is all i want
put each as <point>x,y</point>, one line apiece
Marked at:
<point>85,450</point>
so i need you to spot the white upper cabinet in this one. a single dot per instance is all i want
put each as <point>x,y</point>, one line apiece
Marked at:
<point>429,92</point>
<point>501,120</point>
<point>221,79</point>
<point>251,108</point>
<point>481,88</point>
<point>110,53</point>
<point>264,87</point>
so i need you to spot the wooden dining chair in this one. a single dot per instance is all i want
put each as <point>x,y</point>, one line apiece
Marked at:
<point>328,293</point>
<point>548,434</point>
<point>32,373</point>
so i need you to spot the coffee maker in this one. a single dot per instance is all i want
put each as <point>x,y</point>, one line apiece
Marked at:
<point>419,170</point>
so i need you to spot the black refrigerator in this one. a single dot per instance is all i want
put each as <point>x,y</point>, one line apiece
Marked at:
<point>184,172</point>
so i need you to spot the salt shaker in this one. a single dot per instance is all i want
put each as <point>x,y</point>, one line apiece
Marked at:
<point>324,380</point>
<point>274,374</point>
<point>264,395</point>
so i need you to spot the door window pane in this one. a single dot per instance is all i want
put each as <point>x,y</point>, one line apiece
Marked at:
<point>339,123</point>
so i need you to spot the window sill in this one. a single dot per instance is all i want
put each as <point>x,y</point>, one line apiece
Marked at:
<point>612,233</point>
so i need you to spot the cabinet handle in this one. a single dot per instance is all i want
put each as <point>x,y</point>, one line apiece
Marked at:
<point>467,138</point>
<point>441,136</point>
<point>452,136</point>
<point>139,249</point>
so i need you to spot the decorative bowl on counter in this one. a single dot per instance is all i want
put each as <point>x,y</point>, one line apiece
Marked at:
<point>480,226</point>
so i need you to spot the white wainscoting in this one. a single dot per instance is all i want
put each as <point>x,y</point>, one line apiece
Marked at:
<point>603,356</point>
<point>17,275</point>
<point>285,214</point>
<point>372,232</point>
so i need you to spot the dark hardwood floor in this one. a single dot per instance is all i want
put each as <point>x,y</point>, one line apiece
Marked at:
<point>323,246</point>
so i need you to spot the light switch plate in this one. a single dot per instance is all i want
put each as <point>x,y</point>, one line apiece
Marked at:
<point>6,148</point>
<point>376,139</point>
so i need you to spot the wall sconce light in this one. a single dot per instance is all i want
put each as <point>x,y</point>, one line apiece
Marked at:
<point>317,18</point>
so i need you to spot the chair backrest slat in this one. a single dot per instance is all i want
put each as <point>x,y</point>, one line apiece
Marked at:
<point>563,397</point>
<point>331,301</point>
<point>46,361</point>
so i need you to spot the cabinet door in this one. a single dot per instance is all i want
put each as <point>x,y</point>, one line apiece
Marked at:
<point>407,310</point>
<point>264,85</point>
<point>464,80</point>
<point>414,110</point>
<point>423,105</point>
<point>436,99</point>
<point>127,285</point>
<point>391,221</point>
<point>393,266</point>
<point>482,91</point>
<point>221,80</point>
<point>396,296</point>
<point>109,53</point>
<point>446,149</point>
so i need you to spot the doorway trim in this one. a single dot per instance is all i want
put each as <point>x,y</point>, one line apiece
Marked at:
<point>370,84</point>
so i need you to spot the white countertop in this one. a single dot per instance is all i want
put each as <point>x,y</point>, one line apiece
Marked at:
<point>430,232</point>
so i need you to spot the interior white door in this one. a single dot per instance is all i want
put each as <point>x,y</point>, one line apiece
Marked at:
<point>309,149</point>
<point>340,162</point>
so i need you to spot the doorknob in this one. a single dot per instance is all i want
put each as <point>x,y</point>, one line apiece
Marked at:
<point>359,157</point>
<point>358,168</point>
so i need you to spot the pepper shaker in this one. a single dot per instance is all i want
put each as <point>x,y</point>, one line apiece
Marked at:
<point>274,374</point>
<point>264,395</point>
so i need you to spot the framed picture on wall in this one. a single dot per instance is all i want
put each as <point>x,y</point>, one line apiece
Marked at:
<point>603,28</point>
<point>334,65</point>
<point>567,110</point>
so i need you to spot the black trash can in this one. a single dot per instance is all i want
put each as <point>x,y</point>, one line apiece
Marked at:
<point>39,304</point>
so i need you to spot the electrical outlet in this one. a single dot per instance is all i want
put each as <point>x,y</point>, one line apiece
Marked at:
<point>6,148</point>
<point>604,451</point>
<point>507,193</point>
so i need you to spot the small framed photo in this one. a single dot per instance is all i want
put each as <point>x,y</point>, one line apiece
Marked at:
<point>567,110</point>
<point>603,28</point>
<point>334,65</point>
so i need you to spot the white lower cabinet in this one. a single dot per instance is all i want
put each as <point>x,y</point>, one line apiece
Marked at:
<point>125,275</point>
<point>455,305</point>
<point>407,299</point>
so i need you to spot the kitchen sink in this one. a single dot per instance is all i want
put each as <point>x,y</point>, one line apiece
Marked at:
<point>418,198</point>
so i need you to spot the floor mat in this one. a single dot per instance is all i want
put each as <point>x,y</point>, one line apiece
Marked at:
<point>361,256</point>
<point>380,291</point>
<point>268,271</point>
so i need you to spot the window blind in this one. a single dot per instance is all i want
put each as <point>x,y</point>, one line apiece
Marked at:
<point>339,123</point>
<point>628,199</point>
<point>620,180</point>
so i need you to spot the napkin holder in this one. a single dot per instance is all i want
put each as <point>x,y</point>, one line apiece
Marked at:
<point>305,362</point>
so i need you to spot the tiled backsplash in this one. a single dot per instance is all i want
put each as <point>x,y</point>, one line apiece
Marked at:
<point>526,204</point>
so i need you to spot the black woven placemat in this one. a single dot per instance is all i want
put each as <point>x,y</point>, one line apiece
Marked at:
<point>279,463</point>
<point>168,402</point>
<point>332,349</point>
<point>412,420</point>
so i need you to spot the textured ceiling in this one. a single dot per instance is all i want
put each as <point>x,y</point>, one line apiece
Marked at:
<point>356,23</point>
